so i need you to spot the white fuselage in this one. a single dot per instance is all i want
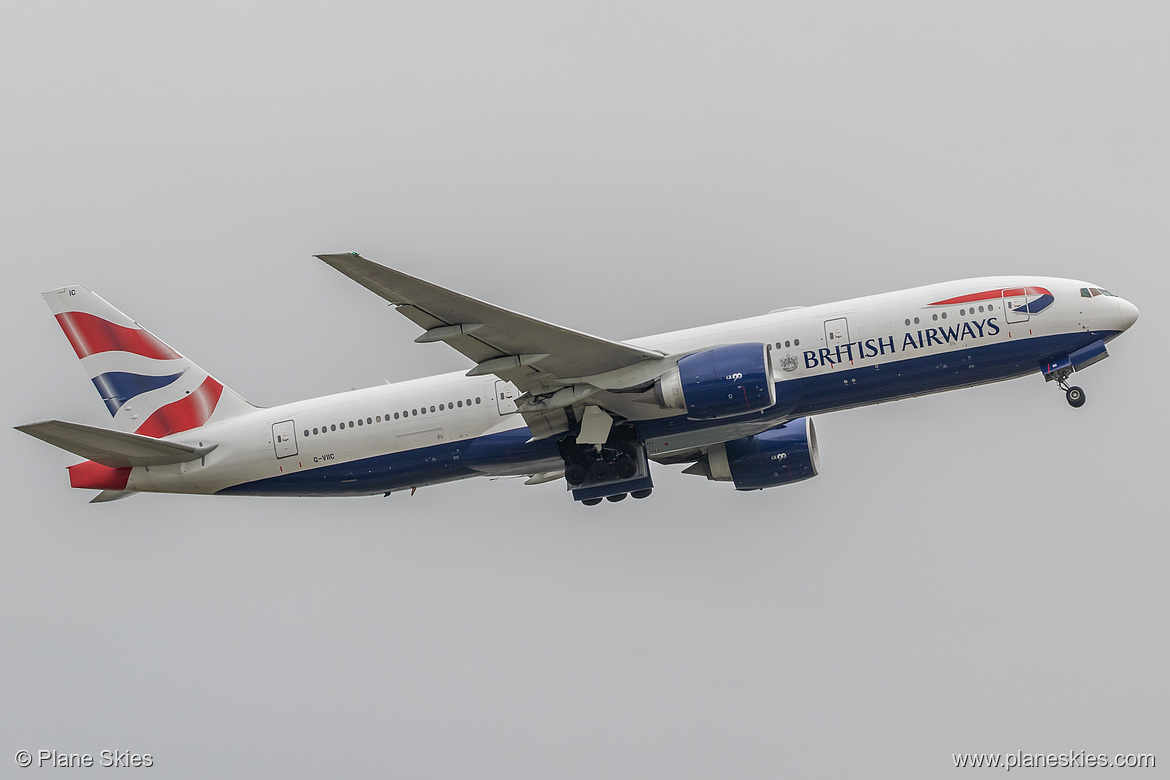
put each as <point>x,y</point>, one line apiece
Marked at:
<point>830,356</point>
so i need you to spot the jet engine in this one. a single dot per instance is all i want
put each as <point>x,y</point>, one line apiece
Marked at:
<point>780,456</point>
<point>721,382</point>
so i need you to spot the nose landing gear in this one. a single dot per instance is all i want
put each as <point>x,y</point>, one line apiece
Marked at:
<point>1060,373</point>
<point>1075,396</point>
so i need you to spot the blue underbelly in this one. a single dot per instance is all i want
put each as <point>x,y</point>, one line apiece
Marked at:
<point>842,388</point>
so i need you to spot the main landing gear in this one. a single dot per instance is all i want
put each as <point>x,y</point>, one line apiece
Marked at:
<point>610,471</point>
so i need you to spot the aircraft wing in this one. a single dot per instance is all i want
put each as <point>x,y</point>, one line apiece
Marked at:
<point>534,355</point>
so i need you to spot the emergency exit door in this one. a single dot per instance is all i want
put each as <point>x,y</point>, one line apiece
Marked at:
<point>836,332</point>
<point>284,439</point>
<point>1015,305</point>
<point>506,395</point>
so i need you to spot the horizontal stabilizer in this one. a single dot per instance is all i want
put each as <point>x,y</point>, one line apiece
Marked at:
<point>115,449</point>
<point>111,495</point>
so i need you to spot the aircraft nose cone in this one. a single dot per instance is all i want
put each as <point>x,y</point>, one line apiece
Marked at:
<point>1129,313</point>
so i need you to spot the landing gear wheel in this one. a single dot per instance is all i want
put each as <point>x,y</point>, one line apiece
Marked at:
<point>600,471</point>
<point>1075,397</point>
<point>645,493</point>
<point>616,497</point>
<point>591,501</point>
<point>624,467</point>
<point>575,475</point>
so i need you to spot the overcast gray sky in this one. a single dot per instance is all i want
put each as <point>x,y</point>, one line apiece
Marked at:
<point>979,571</point>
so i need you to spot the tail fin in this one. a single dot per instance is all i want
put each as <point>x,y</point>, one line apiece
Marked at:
<point>149,388</point>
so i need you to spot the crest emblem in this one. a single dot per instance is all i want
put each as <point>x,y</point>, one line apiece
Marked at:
<point>788,363</point>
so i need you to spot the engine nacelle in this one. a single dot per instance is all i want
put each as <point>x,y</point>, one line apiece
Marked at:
<point>781,456</point>
<point>720,382</point>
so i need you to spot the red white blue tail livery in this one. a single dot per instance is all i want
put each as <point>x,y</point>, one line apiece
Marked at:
<point>148,387</point>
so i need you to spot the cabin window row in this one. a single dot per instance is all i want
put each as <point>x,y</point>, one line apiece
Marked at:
<point>786,344</point>
<point>962,313</point>
<point>391,415</point>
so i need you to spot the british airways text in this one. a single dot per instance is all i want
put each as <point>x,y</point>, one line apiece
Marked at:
<point>859,350</point>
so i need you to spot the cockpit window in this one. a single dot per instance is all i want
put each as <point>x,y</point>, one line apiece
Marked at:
<point>1093,292</point>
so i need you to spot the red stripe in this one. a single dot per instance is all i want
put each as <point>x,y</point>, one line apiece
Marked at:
<point>99,477</point>
<point>989,294</point>
<point>188,412</point>
<point>90,335</point>
<point>983,296</point>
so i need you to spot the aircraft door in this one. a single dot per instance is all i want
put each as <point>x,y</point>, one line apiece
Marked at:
<point>1013,301</point>
<point>836,332</point>
<point>506,394</point>
<point>284,439</point>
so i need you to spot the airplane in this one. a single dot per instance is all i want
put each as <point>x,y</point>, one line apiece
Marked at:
<point>733,401</point>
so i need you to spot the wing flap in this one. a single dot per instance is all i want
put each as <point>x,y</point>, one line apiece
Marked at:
<point>115,449</point>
